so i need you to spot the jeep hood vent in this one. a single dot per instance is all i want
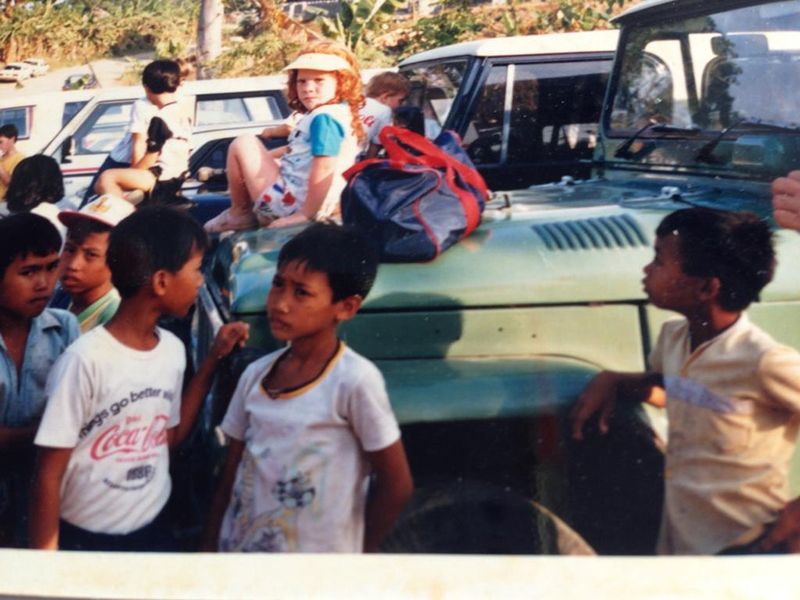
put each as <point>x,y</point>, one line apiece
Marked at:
<point>617,231</point>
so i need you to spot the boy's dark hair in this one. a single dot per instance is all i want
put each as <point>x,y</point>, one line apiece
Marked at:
<point>35,179</point>
<point>735,247</point>
<point>342,253</point>
<point>162,76</point>
<point>9,130</point>
<point>151,239</point>
<point>80,229</point>
<point>387,82</point>
<point>23,234</point>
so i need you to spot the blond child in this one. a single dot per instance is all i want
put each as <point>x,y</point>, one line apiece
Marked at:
<point>302,181</point>
<point>385,92</point>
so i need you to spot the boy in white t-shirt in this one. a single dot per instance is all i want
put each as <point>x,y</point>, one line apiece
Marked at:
<point>384,93</point>
<point>114,406</point>
<point>309,424</point>
<point>160,138</point>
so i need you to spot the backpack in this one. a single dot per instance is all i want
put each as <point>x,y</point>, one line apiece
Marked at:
<point>420,200</point>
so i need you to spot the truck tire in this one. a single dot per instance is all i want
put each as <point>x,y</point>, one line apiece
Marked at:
<point>470,517</point>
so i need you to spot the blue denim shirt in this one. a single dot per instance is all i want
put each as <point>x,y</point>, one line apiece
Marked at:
<point>22,400</point>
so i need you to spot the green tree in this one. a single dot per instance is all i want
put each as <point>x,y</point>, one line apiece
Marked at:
<point>356,19</point>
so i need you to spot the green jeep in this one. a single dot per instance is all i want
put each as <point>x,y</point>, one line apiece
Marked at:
<point>485,349</point>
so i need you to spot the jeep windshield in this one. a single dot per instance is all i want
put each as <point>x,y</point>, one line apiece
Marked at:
<point>711,93</point>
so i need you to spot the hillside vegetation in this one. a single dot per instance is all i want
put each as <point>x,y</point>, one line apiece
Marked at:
<point>259,38</point>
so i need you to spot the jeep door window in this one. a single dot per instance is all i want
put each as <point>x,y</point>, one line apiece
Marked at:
<point>433,90</point>
<point>103,129</point>
<point>483,137</point>
<point>71,109</point>
<point>549,113</point>
<point>555,110</point>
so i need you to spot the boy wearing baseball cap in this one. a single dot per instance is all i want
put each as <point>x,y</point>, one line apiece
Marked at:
<point>84,272</point>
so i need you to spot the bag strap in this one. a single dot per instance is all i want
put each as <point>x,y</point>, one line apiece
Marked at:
<point>396,140</point>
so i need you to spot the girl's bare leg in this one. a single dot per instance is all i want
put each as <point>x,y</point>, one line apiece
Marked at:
<point>250,170</point>
<point>119,181</point>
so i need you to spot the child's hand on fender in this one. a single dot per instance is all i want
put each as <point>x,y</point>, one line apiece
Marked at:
<point>230,336</point>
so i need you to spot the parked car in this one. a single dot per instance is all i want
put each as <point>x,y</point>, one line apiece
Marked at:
<point>83,144</point>
<point>38,66</point>
<point>526,107</point>
<point>80,81</point>
<point>16,71</point>
<point>485,349</point>
<point>39,117</point>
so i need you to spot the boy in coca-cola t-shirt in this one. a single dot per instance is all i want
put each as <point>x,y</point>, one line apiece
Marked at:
<point>114,405</point>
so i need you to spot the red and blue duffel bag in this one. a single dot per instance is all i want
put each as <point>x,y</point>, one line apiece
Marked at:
<point>417,202</point>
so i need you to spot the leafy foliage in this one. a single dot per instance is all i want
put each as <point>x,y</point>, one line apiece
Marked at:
<point>356,19</point>
<point>455,22</point>
<point>263,54</point>
<point>577,15</point>
<point>460,20</point>
<point>79,30</point>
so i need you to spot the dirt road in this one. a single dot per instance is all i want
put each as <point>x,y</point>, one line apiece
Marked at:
<point>107,70</point>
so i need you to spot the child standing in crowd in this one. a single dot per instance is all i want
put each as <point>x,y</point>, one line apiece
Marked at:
<point>732,393</point>
<point>308,423</point>
<point>305,183</point>
<point>85,275</point>
<point>114,398</point>
<point>32,337</point>
<point>159,136</point>
<point>37,186</point>
<point>384,92</point>
<point>9,155</point>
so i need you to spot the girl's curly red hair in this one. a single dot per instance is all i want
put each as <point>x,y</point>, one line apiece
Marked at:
<point>348,84</point>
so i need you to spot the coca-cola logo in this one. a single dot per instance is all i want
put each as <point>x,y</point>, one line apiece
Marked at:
<point>119,439</point>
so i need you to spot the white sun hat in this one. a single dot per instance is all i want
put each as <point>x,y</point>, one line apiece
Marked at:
<point>319,61</point>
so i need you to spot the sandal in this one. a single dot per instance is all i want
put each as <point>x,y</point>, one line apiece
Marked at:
<point>225,221</point>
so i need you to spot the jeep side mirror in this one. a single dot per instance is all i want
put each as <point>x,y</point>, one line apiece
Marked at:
<point>67,149</point>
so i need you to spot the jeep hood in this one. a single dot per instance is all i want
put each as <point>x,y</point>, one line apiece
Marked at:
<point>550,245</point>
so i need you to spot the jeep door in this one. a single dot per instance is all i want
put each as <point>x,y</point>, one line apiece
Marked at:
<point>525,120</point>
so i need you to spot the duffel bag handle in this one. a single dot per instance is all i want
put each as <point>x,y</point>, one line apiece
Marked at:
<point>395,140</point>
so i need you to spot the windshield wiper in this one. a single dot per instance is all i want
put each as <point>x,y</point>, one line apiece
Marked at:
<point>624,151</point>
<point>705,154</point>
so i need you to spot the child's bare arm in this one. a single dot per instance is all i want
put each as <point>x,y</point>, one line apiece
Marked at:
<point>391,490</point>
<point>138,147</point>
<point>602,392</point>
<point>222,496</point>
<point>46,497</point>
<point>228,337</point>
<point>786,529</point>
<point>320,177</point>
<point>282,130</point>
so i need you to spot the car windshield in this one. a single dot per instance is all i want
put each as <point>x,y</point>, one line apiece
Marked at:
<point>710,73</point>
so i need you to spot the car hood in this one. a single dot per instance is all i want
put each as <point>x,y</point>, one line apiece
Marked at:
<point>556,244</point>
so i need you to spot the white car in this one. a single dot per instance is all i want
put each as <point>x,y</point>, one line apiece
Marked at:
<point>38,66</point>
<point>16,71</point>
